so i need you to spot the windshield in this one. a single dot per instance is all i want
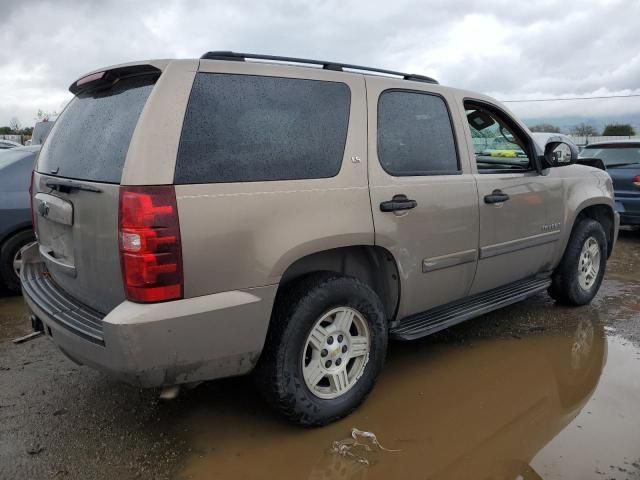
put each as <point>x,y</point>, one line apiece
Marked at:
<point>614,156</point>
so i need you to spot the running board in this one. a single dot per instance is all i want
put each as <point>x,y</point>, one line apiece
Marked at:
<point>439,318</point>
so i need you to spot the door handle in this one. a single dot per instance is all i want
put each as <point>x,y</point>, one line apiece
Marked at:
<point>497,196</point>
<point>398,202</point>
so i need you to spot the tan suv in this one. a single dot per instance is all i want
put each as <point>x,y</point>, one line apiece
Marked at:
<point>205,218</point>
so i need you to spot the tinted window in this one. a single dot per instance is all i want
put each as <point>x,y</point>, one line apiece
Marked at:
<point>241,128</point>
<point>415,135</point>
<point>89,141</point>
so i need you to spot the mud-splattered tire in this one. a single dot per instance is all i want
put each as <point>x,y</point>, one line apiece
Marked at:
<point>579,275</point>
<point>9,256</point>
<point>314,368</point>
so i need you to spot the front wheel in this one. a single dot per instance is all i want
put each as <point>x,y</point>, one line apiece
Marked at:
<point>325,348</point>
<point>580,273</point>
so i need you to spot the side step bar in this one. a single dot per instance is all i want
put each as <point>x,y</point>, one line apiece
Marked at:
<point>439,318</point>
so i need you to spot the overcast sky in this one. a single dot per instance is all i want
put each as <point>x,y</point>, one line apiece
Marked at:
<point>506,48</point>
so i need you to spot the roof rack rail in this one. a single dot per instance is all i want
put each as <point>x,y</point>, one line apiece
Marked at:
<point>339,67</point>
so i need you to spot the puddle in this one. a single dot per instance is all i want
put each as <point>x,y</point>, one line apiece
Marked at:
<point>624,262</point>
<point>603,441</point>
<point>535,390</point>
<point>500,408</point>
<point>13,317</point>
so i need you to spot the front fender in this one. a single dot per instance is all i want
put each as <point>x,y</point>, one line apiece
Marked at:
<point>587,187</point>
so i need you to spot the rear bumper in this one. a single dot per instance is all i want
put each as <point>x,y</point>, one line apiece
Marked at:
<point>629,210</point>
<point>150,345</point>
<point>629,218</point>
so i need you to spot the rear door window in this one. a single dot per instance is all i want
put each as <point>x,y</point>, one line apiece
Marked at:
<point>90,140</point>
<point>415,136</point>
<point>244,128</point>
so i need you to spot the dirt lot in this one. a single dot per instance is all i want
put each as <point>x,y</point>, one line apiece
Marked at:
<point>532,391</point>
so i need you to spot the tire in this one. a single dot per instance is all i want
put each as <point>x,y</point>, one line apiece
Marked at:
<point>569,285</point>
<point>8,252</point>
<point>299,310</point>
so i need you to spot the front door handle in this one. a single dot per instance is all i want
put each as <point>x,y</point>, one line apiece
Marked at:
<point>398,202</point>
<point>497,196</point>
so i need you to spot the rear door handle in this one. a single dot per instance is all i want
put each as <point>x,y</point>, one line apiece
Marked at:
<point>497,196</point>
<point>398,202</point>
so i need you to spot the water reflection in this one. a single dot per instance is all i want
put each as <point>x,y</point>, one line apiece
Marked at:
<point>455,411</point>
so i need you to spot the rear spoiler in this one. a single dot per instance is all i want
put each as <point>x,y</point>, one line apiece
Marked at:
<point>105,79</point>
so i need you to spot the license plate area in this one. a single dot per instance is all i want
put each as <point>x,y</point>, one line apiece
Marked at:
<point>55,229</point>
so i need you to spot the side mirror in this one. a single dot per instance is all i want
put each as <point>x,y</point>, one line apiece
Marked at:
<point>559,153</point>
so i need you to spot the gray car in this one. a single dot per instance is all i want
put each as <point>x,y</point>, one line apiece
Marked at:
<point>16,230</point>
<point>204,218</point>
<point>8,144</point>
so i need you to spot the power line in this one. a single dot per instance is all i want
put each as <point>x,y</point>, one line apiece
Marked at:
<point>571,98</point>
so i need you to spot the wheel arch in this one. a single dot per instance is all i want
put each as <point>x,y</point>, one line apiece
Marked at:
<point>371,264</point>
<point>15,230</point>
<point>599,208</point>
<point>603,214</point>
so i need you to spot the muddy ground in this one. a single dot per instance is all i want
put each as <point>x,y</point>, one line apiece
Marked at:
<point>532,391</point>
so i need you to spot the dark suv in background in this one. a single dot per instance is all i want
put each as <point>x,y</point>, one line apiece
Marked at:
<point>16,230</point>
<point>622,160</point>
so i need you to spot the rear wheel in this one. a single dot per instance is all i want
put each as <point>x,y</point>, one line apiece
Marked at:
<point>11,259</point>
<point>325,348</point>
<point>579,275</point>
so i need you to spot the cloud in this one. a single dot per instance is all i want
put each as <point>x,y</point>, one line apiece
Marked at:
<point>510,50</point>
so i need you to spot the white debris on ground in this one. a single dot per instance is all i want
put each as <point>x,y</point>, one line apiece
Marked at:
<point>359,447</point>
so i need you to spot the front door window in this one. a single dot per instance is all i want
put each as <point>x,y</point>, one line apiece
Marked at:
<point>498,148</point>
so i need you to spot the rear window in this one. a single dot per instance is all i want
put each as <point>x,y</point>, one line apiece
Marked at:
<point>243,128</point>
<point>614,155</point>
<point>89,141</point>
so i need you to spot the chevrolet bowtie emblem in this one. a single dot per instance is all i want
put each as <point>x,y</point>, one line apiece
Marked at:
<point>43,209</point>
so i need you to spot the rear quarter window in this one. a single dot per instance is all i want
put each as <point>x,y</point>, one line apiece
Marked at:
<point>90,140</point>
<point>244,128</point>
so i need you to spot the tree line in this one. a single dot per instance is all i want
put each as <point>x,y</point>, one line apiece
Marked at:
<point>16,128</point>
<point>585,130</point>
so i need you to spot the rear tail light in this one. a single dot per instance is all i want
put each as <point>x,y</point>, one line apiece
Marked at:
<point>636,181</point>
<point>33,214</point>
<point>150,249</point>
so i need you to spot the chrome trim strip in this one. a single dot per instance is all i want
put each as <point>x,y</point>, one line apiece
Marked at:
<point>449,260</point>
<point>54,208</point>
<point>519,244</point>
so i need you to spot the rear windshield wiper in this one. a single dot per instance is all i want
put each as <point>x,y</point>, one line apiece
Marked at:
<point>68,185</point>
